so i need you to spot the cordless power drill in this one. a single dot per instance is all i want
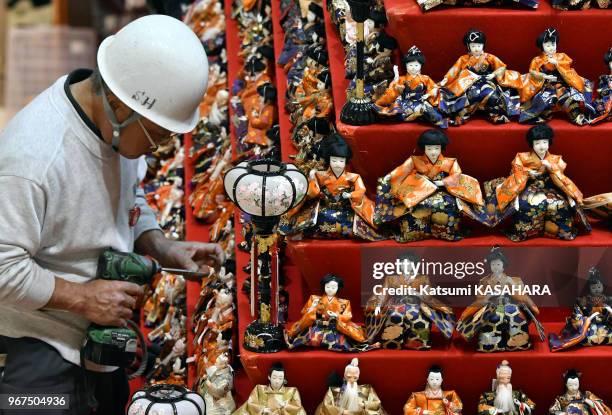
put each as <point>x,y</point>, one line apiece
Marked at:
<point>116,346</point>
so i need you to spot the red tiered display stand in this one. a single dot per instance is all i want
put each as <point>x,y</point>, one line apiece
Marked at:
<point>484,151</point>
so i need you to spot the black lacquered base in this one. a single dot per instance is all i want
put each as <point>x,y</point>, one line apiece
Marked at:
<point>264,337</point>
<point>358,112</point>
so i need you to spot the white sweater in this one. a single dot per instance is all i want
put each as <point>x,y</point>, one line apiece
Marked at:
<point>65,196</point>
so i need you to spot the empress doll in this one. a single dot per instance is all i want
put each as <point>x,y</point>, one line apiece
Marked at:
<point>433,400</point>
<point>479,81</point>
<point>591,322</point>
<point>405,321</point>
<point>327,322</point>
<point>426,196</point>
<point>576,402</point>
<point>412,96</point>
<point>500,322</point>
<point>504,399</point>
<point>603,104</point>
<point>538,197</point>
<point>336,205</point>
<point>553,85</point>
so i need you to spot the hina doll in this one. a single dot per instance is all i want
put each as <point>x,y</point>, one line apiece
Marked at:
<point>405,321</point>
<point>500,322</point>
<point>351,398</point>
<point>274,398</point>
<point>413,96</point>
<point>600,206</point>
<point>427,194</point>
<point>603,104</point>
<point>261,113</point>
<point>336,205</point>
<point>312,98</point>
<point>553,85</point>
<point>479,81</point>
<point>217,388</point>
<point>433,400</point>
<point>538,197</point>
<point>580,4</point>
<point>503,398</point>
<point>576,402</point>
<point>307,138</point>
<point>327,322</point>
<point>591,321</point>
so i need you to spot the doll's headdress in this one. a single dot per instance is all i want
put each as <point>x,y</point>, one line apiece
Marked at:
<point>267,91</point>
<point>474,36</point>
<point>432,137</point>
<point>434,369</point>
<point>571,374</point>
<point>496,253</point>
<point>549,35</point>
<point>254,65</point>
<point>276,367</point>
<point>325,77</point>
<point>413,54</point>
<point>266,51</point>
<point>504,366</point>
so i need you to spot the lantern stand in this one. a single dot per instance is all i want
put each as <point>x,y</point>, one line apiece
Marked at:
<point>265,189</point>
<point>359,110</point>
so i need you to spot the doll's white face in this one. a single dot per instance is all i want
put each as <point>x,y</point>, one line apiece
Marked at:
<point>331,288</point>
<point>549,47</point>
<point>433,152</point>
<point>337,164</point>
<point>504,377</point>
<point>277,379</point>
<point>573,384</point>
<point>596,289</point>
<point>413,68</point>
<point>351,375</point>
<point>476,48</point>
<point>434,380</point>
<point>497,266</point>
<point>540,147</point>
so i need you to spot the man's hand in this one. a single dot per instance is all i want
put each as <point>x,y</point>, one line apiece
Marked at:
<point>108,303</point>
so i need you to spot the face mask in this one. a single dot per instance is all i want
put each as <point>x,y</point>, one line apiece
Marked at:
<point>112,118</point>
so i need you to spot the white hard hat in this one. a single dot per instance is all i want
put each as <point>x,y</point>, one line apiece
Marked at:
<point>157,66</point>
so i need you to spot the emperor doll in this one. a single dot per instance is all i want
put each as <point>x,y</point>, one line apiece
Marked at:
<point>603,104</point>
<point>504,399</point>
<point>327,322</point>
<point>479,81</point>
<point>591,321</point>
<point>427,195</point>
<point>336,205</point>
<point>413,96</point>
<point>538,197</point>
<point>554,86</point>
<point>500,322</point>
<point>405,321</point>
<point>576,402</point>
<point>433,400</point>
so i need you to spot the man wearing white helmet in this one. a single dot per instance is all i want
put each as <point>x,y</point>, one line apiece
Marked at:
<point>70,168</point>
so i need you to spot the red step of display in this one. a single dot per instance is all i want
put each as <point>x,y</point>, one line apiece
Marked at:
<point>484,150</point>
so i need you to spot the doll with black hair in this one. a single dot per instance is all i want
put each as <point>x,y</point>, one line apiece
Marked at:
<point>262,114</point>
<point>553,85</point>
<point>574,401</point>
<point>427,195</point>
<point>537,196</point>
<point>336,205</point>
<point>275,398</point>
<point>311,98</point>
<point>433,400</point>
<point>413,96</point>
<point>603,103</point>
<point>307,138</point>
<point>479,81</point>
<point>406,321</point>
<point>590,323</point>
<point>500,322</point>
<point>313,59</point>
<point>327,322</point>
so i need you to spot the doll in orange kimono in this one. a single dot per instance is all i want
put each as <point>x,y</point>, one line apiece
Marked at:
<point>312,97</point>
<point>538,197</point>
<point>413,96</point>
<point>433,400</point>
<point>261,113</point>
<point>327,322</point>
<point>427,195</point>
<point>603,103</point>
<point>479,81</point>
<point>500,320</point>
<point>336,205</point>
<point>552,85</point>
